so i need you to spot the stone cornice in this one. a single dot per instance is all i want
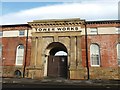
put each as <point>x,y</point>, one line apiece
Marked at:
<point>35,24</point>
<point>56,22</point>
<point>60,23</point>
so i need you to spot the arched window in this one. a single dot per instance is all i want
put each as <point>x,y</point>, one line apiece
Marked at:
<point>17,73</point>
<point>95,55</point>
<point>19,55</point>
<point>0,51</point>
<point>118,53</point>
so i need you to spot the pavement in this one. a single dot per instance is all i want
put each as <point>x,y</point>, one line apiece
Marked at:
<point>59,82</point>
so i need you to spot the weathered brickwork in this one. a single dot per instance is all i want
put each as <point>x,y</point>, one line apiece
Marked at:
<point>39,46</point>
<point>104,73</point>
<point>108,56</point>
<point>14,27</point>
<point>9,54</point>
<point>108,51</point>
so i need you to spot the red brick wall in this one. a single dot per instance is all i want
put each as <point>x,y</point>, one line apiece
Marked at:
<point>107,45</point>
<point>108,51</point>
<point>9,49</point>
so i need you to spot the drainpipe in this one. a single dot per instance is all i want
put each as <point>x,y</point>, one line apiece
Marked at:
<point>25,54</point>
<point>86,44</point>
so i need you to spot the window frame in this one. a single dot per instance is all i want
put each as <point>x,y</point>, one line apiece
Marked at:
<point>91,61</point>
<point>17,55</point>
<point>118,47</point>
<point>94,32</point>
<point>0,51</point>
<point>23,32</point>
<point>1,33</point>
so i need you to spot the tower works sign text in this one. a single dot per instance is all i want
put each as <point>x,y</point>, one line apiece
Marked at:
<point>58,29</point>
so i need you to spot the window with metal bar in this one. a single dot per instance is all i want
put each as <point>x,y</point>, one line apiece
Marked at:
<point>19,55</point>
<point>21,33</point>
<point>94,55</point>
<point>118,53</point>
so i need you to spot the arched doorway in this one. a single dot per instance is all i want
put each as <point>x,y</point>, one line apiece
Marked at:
<point>57,60</point>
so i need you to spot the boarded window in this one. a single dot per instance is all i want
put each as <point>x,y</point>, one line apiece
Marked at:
<point>19,55</point>
<point>94,55</point>
<point>93,31</point>
<point>118,53</point>
<point>118,30</point>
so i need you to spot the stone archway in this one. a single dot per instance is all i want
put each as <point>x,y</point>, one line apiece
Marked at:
<point>49,37</point>
<point>57,64</point>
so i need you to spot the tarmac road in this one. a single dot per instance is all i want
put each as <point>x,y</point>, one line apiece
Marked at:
<point>11,85</point>
<point>49,83</point>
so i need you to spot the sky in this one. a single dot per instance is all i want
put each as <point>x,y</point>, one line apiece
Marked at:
<point>14,12</point>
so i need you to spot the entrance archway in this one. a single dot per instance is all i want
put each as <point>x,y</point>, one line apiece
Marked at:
<point>57,60</point>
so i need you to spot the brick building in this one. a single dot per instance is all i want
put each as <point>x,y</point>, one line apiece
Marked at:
<point>67,48</point>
